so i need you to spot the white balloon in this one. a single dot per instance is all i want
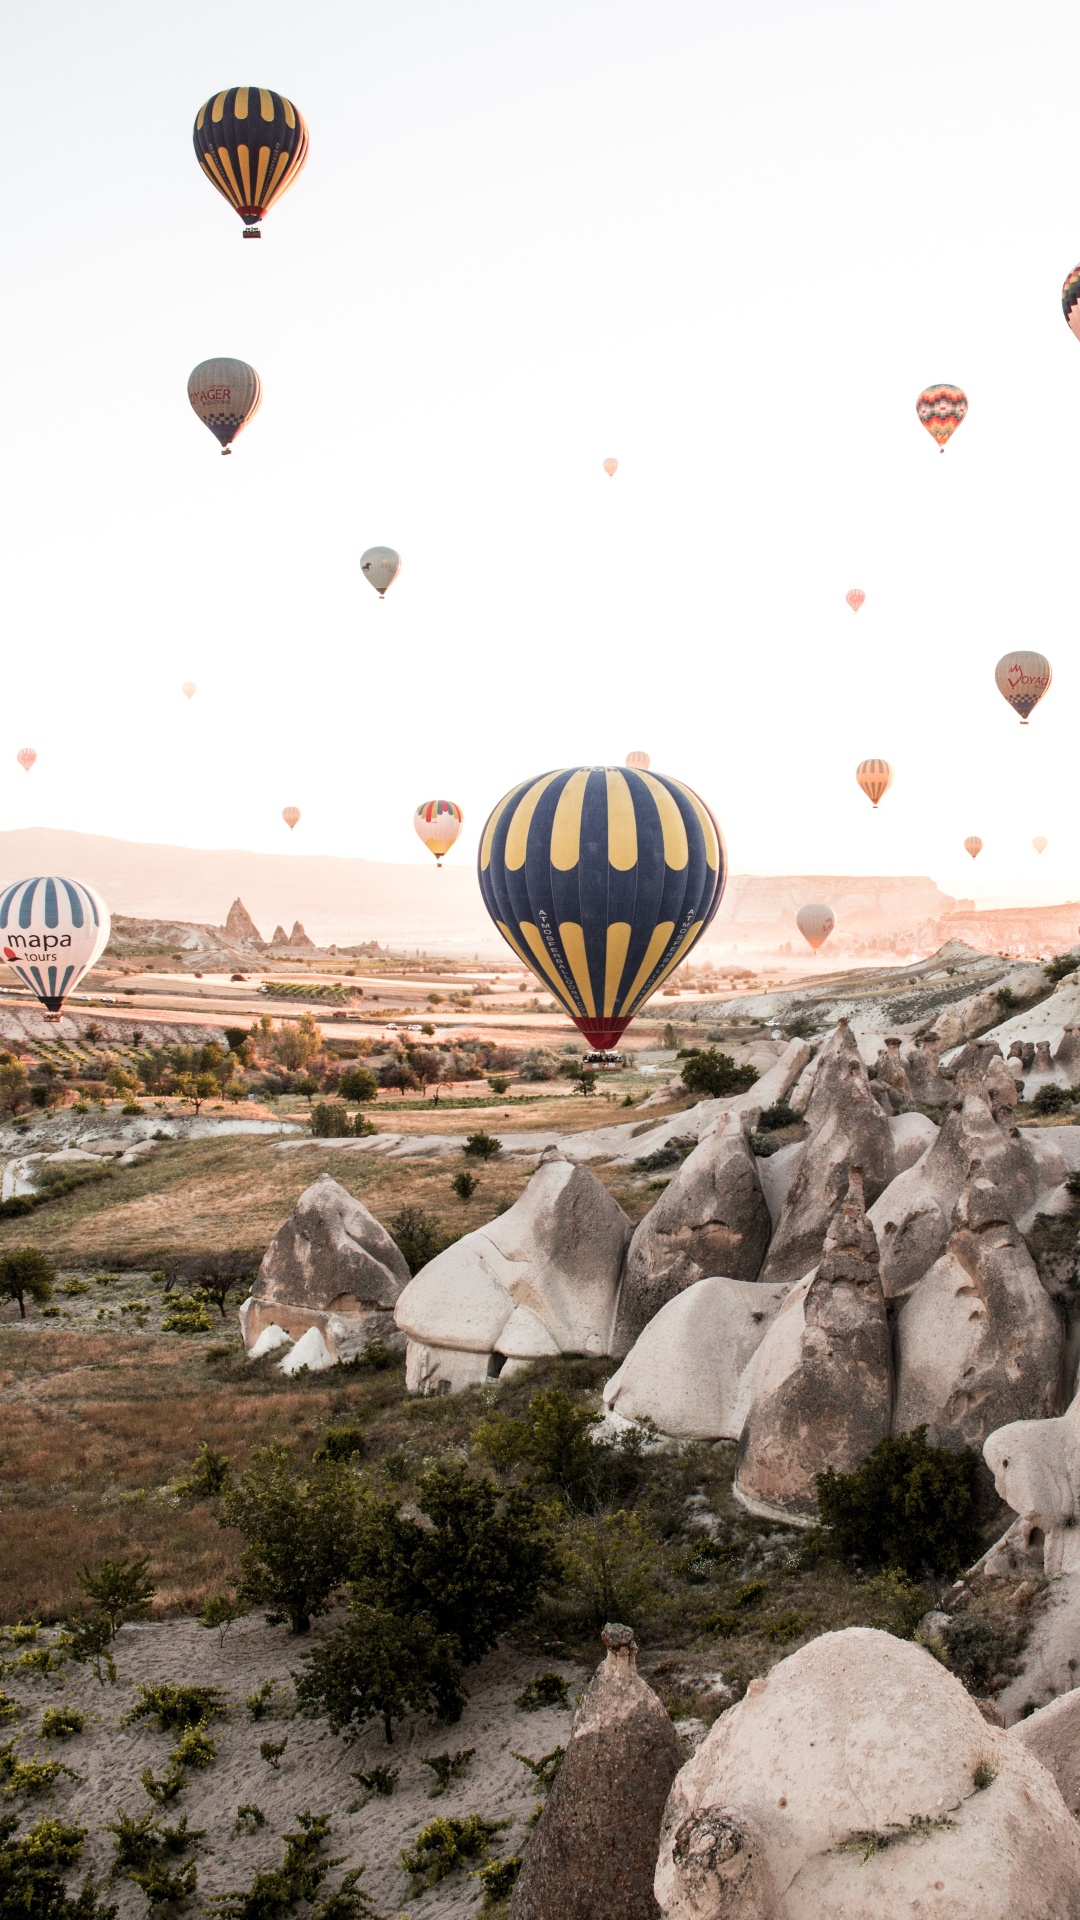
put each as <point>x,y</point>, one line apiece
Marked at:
<point>52,932</point>
<point>381,565</point>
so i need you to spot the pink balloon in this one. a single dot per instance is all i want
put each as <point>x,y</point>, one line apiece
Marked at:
<point>26,757</point>
<point>855,597</point>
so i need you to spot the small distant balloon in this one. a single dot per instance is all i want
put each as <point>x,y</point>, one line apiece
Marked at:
<point>1022,679</point>
<point>815,923</point>
<point>188,689</point>
<point>973,845</point>
<point>1040,843</point>
<point>26,757</point>
<point>854,597</point>
<point>225,394</point>
<point>290,815</point>
<point>1070,301</point>
<point>941,409</point>
<point>639,760</point>
<point>380,565</point>
<point>611,468</point>
<point>438,822</point>
<point>875,779</point>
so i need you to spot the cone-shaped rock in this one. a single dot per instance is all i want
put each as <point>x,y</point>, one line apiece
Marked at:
<point>241,928</point>
<point>929,1085</point>
<point>712,1219</point>
<point>847,1128</point>
<point>978,1343</point>
<point>332,1266</point>
<point>818,1391</point>
<point>593,1854</point>
<point>298,938</point>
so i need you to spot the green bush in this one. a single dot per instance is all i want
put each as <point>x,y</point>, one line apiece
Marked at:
<point>482,1146</point>
<point>609,1564</point>
<point>464,1184</point>
<point>28,1778</point>
<point>220,1611</point>
<point>553,1439</point>
<point>176,1709</point>
<point>119,1589</point>
<point>184,1313</point>
<point>444,1844</point>
<point>538,1063</point>
<point>275,1892</point>
<point>32,1870</point>
<point>209,1475</point>
<point>418,1235</point>
<point>543,1771</point>
<point>381,1779</point>
<point>381,1666</point>
<point>497,1880</point>
<point>543,1690</point>
<point>447,1767</point>
<point>330,1120</point>
<point>775,1117</point>
<point>910,1506</point>
<point>1061,965</point>
<point>24,1271</point>
<point>715,1074</point>
<point>359,1083</point>
<point>299,1528</point>
<point>1051,1099</point>
<point>340,1443</point>
<point>59,1723</point>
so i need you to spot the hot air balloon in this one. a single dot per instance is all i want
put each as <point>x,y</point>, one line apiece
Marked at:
<point>601,879</point>
<point>225,394</point>
<point>438,822</point>
<point>1040,843</point>
<point>188,689</point>
<point>26,757</point>
<point>875,779</point>
<point>638,760</point>
<point>1022,679</point>
<point>854,597</point>
<point>290,815</point>
<point>382,566</point>
<point>941,410</point>
<point>611,468</point>
<point>252,143</point>
<point>815,923</point>
<point>973,845</point>
<point>1070,301</point>
<point>52,931</point>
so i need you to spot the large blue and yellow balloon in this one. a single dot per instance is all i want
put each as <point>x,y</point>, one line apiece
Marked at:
<point>601,879</point>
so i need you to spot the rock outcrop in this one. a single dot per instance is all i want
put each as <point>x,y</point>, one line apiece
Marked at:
<point>859,1781</point>
<point>978,1341</point>
<point>892,1073</point>
<point>930,1087</point>
<point>593,1854</point>
<point>541,1278</point>
<point>818,1391</point>
<point>298,938</point>
<point>279,937</point>
<point>683,1372</point>
<point>332,1266</point>
<point>847,1128</point>
<point>240,927</point>
<point>1053,1736</point>
<point>712,1219</point>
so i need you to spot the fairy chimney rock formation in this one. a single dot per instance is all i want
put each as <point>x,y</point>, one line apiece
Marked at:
<point>279,937</point>
<point>819,1388</point>
<point>240,927</point>
<point>593,1854</point>
<point>298,938</point>
<point>333,1266</point>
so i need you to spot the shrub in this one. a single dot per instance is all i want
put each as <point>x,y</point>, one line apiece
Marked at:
<point>28,1777</point>
<point>220,1611</point>
<point>88,1639</point>
<point>262,1703</point>
<point>444,1844</point>
<point>775,1117</point>
<point>185,1313</point>
<point>359,1083</point>
<point>482,1146</point>
<point>26,1271</point>
<point>119,1589</point>
<point>274,1893</point>
<point>32,1869</point>
<point>714,1074</point>
<point>330,1121</point>
<point>340,1443</point>
<point>381,1779</point>
<point>1061,964</point>
<point>543,1770</point>
<point>608,1566</point>
<point>209,1475</point>
<point>497,1880</point>
<point>543,1690</point>
<point>299,1530</point>
<point>910,1506</point>
<point>464,1184</point>
<point>418,1235</point>
<point>379,1665</point>
<point>447,1767</point>
<point>671,1154</point>
<point>553,1438</point>
<point>176,1709</point>
<point>59,1723</point>
<point>249,1818</point>
<point>538,1063</point>
<point>1051,1099</point>
<point>498,1083</point>
<point>272,1750</point>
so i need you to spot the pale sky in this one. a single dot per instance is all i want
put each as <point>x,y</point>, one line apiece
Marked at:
<point>727,244</point>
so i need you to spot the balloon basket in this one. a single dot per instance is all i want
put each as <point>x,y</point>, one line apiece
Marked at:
<point>52,1018</point>
<point>225,452</point>
<point>252,233</point>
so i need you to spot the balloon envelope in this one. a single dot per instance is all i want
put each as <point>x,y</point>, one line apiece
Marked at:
<point>1070,301</point>
<point>611,468</point>
<point>225,394</point>
<point>973,845</point>
<point>1022,679</point>
<point>941,409</point>
<point>601,879</point>
<point>815,923</point>
<point>1040,843</point>
<point>52,931</point>
<point>381,565</point>
<point>290,815</point>
<point>188,689</point>
<point>854,597</point>
<point>638,760</point>
<point>26,757</point>
<point>438,822</point>
<point>875,778</point>
<point>251,143</point>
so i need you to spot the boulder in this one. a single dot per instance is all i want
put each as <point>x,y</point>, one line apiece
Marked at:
<point>847,1128</point>
<point>859,1781</point>
<point>310,1351</point>
<point>712,1219</point>
<point>978,1341</point>
<point>1053,1736</point>
<point>776,1171</point>
<point>818,1391</point>
<point>541,1278</point>
<point>683,1371</point>
<point>593,1854</point>
<point>930,1087</point>
<point>332,1261</point>
<point>271,1340</point>
<point>1036,1469</point>
<point>913,1134</point>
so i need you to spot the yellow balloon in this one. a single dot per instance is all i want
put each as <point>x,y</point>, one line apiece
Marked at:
<point>1040,843</point>
<point>188,689</point>
<point>639,760</point>
<point>290,815</point>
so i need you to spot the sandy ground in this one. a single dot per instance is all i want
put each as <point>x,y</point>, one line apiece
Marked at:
<point>313,1773</point>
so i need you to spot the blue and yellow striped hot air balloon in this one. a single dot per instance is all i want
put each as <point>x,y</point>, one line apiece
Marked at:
<point>52,931</point>
<point>251,143</point>
<point>601,879</point>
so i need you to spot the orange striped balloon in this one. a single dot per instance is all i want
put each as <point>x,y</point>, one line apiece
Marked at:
<point>251,143</point>
<point>973,845</point>
<point>941,409</point>
<point>854,597</point>
<point>875,779</point>
<point>290,815</point>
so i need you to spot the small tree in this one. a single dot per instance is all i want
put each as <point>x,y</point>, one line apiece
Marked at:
<point>715,1074</point>
<point>299,1528</point>
<point>297,1041</point>
<point>464,1184</point>
<point>195,1087</point>
<point>121,1079</point>
<point>482,1146</point>
<point>25,1270</point>
<point>359,1083</point>
<point>118,1589</point>
<point>910,1506</point>
<point>418,1235</point>
<point>538,1063</point>
<point>381,1666</point>
<point>400,1075</point>
<point>14,1090</point>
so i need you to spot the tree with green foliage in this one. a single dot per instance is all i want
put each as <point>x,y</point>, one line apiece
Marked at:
<point>33,1869</point>
<point>482,1146</point>
<point>300,1529</point>
<point>553,1440</point>
<point>119,1590</point>
<point>538,1063</point>
<point>380,1665</point>
<point>910,1506</point>
<point>26,1271</point>
<point>358,1083</point>
<point>14,1085</point>
<point>418,1235</point>
<point>714,1074</point>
